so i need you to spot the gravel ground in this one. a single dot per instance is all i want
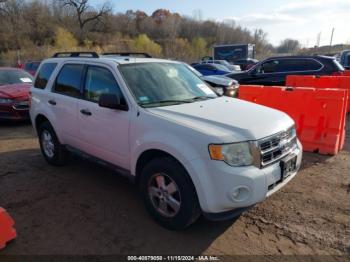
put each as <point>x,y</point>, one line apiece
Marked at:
<point>83,208</point>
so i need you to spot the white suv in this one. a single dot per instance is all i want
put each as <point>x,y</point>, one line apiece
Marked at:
<point>189,151</point>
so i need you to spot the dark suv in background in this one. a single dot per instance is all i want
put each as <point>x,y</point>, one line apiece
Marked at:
<point>273,71</point>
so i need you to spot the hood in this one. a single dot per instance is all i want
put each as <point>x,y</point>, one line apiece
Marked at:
<point>228,119</point>
<point>15,91</point>
<point>220,80</point>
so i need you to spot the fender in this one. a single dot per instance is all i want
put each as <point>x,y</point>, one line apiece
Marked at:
<point>154,141</point>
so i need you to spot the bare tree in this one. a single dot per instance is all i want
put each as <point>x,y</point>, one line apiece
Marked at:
<point>86,13</point>
<point>289,46</point>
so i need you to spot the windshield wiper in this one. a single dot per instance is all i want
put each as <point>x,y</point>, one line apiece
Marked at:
<point>177,101</point>
<point>165,102</point>
<point>200,98</point>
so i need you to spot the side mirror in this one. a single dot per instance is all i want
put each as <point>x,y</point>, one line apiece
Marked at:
<point>111,101</point>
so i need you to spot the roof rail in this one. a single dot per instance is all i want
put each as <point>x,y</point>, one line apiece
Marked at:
<point>76,54</point>
<point>135,54</point>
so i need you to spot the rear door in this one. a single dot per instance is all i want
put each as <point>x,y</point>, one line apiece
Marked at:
<point>103,132</point>
<point>63,102</point>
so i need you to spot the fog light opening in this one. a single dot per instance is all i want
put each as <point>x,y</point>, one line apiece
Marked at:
<point>240,194</point>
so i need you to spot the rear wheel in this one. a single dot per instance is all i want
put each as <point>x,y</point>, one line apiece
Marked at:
<point>169,194</point>
<point>52,150</point>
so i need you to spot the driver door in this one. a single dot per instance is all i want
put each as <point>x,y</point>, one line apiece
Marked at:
<point>103,132</point>
<point>267,73</point>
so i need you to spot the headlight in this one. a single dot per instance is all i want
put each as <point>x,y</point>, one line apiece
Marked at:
<point>6,101</point>
<point>219,91</point>
<point>237,154</point>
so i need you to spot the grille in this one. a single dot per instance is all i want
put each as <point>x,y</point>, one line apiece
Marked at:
<point>277,146</point>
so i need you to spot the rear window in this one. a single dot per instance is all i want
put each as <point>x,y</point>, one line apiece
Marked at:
<point>69,79</point>
<point>44,75</point>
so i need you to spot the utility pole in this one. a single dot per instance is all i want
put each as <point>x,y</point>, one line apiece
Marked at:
<point>318,41</point>
<point>330,45</point>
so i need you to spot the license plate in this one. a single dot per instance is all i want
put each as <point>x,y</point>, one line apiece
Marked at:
<point>288,166</point>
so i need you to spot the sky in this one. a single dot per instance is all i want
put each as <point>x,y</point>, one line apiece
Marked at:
<point>303,20</point>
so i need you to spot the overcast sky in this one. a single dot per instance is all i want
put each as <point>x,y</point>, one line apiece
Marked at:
<point>298,19</point>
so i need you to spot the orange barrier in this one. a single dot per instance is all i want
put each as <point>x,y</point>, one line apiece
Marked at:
<point>7,232</point>
<point>338,82</point>
<point>319,114</point>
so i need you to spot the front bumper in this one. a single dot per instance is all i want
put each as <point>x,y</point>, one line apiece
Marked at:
<point>14,111</point>
<point>217,184</point>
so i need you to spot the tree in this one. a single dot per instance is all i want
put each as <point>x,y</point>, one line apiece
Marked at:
<point>64,40</point>
<point>143,44</point>
<point>198,47</point>
<point>289,46</point>
<point>85,13</point>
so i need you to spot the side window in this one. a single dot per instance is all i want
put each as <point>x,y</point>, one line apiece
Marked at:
<point>268,67</point>
<point>311,64</point>
<point>68,80</point>
<point>44,75</point>
<point>100,81</point>
<point>297,65</point>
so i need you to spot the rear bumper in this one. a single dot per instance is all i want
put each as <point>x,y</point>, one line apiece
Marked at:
<point>13,112</point>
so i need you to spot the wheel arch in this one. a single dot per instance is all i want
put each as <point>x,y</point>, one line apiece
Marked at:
<point>39,119</point>
<point>148,155</point>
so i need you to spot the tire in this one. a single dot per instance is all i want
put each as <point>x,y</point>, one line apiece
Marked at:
<point>179,192</point>
<point>54,153</point>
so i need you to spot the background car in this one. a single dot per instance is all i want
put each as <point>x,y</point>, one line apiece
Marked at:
<point>14,94</point>
<point>212,69</point>
<point>222,85</point>
<point>246,64</point>
<point>230,67</point>
<point>273,71</point>
<point>31,67</point>
<point>344,59</point>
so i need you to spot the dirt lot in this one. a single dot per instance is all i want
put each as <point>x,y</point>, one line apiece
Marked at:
<point>83,208</point>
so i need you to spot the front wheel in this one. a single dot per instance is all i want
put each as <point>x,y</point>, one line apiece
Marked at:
<point>169,194</point>
<point>52,150</point>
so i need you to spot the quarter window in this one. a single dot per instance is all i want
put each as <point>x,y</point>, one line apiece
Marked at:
<point>44,75</point>
<point>100,81</point>
<point>68,80</point>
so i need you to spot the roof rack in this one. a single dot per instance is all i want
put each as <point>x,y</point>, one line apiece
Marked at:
<point>76,54</point>
<point>134,54</point>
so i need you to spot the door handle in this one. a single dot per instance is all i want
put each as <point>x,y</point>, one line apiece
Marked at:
<point>85,112</point>
<point>52,102</point>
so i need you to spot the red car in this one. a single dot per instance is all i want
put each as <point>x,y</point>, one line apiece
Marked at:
<point>14,94</point>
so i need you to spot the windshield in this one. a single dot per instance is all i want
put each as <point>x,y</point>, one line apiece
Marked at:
<point>224,62</point>
<point>221,67</point>
<point>8,77</point>
<point>195,71</point>
<point>161,84</point>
